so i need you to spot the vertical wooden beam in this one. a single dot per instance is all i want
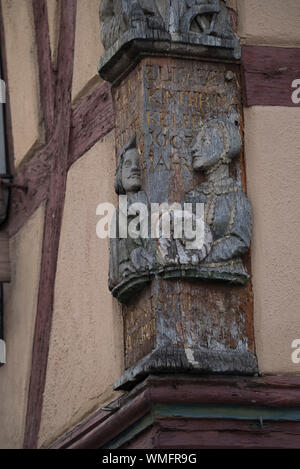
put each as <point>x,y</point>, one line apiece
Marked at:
<point>47,78</point>
<point>53,220</point>
<point>7,114</point>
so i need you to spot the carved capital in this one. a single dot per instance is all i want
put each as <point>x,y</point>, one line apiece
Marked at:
<point>131,29</point>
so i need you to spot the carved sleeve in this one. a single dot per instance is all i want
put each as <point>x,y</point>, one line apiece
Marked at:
<point>237,238</point>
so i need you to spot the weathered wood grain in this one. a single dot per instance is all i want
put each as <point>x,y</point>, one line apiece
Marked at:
<point>191,30</point>
<point>217,434</point>
<point>262,392</point>
<point>35,177</point>
<point>173,100</point>
<point>46,74</point>
<point>225,434</point>
<point>92,119</point>
<point>268,75</point>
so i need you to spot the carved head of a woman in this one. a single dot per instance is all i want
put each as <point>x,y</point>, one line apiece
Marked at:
<point>218,141</point>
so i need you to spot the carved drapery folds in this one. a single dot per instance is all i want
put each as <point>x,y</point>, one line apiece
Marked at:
<point>227,208</point>
<point>206,18</point>
<point>112,22</point>
<point>118,16</point>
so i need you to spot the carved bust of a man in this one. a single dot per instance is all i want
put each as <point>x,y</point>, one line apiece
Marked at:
<point>130,257</point>
<point>227,208</point>
<point>128,174</point>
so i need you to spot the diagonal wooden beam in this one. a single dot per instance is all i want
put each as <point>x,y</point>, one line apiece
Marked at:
<point>92,119</point>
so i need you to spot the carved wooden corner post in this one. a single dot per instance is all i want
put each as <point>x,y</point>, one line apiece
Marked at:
<point>174,67</point>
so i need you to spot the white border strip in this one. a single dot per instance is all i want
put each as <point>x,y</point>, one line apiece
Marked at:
<point>2,352</point>
<point>2,92</point>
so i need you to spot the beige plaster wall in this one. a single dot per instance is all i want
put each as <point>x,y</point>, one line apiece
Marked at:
<point>273,174</point>
<point>20,301</point>
<point>86,341</point>
<point>231,4</point>
<point>23,77</point>
<point>269,22</point>
<point>88,47</point>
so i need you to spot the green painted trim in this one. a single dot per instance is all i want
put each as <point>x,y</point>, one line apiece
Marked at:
<point>226,412</point>
<point>204,412</point>
<point>130,432</point>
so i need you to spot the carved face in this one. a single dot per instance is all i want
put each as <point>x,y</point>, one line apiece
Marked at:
<point>207,148</point>
<point>131,171</point>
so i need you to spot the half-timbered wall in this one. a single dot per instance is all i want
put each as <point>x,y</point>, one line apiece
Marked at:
<point>62,327</point>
